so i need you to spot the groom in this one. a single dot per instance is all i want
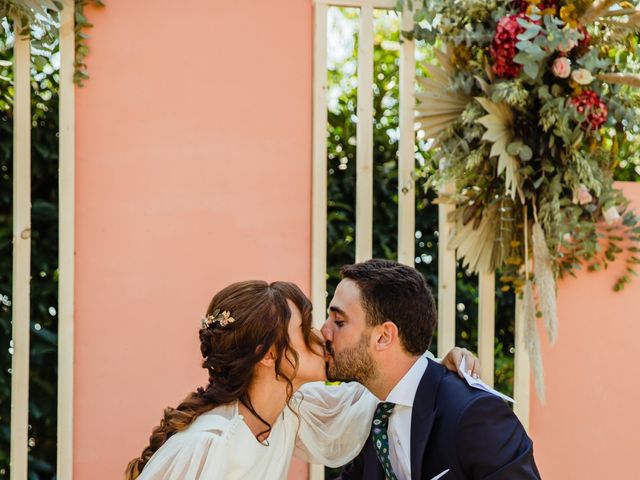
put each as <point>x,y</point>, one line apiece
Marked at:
<point>430,424</point>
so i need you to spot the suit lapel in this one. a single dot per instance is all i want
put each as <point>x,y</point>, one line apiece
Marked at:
<point>423,415</point>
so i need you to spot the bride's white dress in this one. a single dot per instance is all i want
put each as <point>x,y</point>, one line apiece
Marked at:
<point>327,425</point>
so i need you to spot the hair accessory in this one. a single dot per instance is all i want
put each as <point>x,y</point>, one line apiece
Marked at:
<point>223,318</point>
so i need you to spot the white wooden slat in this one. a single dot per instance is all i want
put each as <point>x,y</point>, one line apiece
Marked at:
<point>364,134</point>
<point>21,255</point>
<point>319,185</point>
<point>406,146</point>
<point>66,244</point>
<point>319,192</point>
<point>378,4</point>
<point>487,324</point>
<point>446,278</point>
<point>522,373</point>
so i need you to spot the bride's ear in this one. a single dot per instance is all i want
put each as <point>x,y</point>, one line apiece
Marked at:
<point>269,359</point>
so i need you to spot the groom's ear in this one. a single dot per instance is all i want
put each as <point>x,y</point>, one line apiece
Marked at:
<point>385,336</point>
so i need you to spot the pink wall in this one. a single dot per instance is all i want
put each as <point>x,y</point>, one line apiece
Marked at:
<point>590,424</point>
<point>193,171</point>
<point>193,166</point>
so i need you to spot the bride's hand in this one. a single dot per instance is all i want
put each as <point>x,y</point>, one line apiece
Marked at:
<point>453,359</point>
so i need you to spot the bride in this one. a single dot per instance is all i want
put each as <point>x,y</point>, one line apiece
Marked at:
<point>259,349</point>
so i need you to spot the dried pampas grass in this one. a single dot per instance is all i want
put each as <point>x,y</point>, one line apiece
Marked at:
<point>531,340</point>
<point>545,281</point>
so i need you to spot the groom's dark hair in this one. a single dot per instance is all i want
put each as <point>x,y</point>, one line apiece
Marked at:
<point>391,291</point>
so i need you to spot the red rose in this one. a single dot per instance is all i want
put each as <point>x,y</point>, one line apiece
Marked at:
<point>523,5</point>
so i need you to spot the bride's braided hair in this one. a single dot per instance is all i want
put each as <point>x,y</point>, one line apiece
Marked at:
<point>261,318</point>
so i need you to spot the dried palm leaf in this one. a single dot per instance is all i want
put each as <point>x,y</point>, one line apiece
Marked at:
<point>482,245</point>
<point>499,125</point>
<point>444,57</point>
<point>545,281</point>
<point>439,106</point>
<point>531,340</point>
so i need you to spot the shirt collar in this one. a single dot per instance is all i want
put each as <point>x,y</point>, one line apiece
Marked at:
<point>405,390</point>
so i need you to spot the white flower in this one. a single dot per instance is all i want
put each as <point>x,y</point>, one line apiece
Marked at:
<point>561,67</point>
<point>581,195</point>
<point>582,76</point>
<point>611,215</point>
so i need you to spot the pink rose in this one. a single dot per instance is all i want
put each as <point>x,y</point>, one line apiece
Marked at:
<point>582,195</point>
<point>562,67</point>
<point>582,76</point>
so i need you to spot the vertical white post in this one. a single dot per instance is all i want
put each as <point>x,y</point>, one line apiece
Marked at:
<point>406,146</point>
<point>364,132</point>
<point>21,254</point>
<point>66,244</point>
<point>319,189</point>
<point>486,325</point>
<point>522,373</point>
<point>446,278</point>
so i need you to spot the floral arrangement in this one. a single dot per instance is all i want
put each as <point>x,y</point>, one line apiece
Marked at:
<point>533,104</point>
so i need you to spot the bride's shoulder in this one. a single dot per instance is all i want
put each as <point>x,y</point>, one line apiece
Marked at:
<point>202,446</point>
<point>220,422</point>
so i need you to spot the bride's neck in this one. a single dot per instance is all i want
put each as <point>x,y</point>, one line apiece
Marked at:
<point>268,399</point>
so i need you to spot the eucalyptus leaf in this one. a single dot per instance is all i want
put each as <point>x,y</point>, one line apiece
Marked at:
<point>514,148</point>
<point>526,153</point>
<point>528,34</point>
<point>521,58</point>
<point>531,69</point>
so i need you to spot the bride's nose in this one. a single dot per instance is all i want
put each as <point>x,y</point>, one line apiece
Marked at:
<point>326,332</point>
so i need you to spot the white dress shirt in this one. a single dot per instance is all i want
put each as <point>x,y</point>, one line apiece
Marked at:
<point>399,429</point>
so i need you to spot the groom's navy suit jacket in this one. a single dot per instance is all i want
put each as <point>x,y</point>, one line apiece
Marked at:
<point>472,433</point>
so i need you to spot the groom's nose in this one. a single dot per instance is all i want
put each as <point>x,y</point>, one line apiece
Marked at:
<point>327,332</point>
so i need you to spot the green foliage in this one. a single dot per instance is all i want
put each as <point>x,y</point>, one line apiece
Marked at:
<point>40,20</point>
<point>28,11</point>
<point>44,258</point>
<point>82,50</point>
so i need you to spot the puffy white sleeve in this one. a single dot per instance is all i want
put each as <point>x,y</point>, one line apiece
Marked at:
<point>190,455</point>
<point>335,421</point>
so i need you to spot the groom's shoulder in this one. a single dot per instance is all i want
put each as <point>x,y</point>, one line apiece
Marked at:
<point>455,395</point>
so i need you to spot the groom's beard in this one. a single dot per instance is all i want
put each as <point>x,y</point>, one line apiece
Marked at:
<point>353,364</point>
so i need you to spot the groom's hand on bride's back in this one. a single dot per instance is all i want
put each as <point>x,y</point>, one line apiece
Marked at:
<point>453,359</point>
